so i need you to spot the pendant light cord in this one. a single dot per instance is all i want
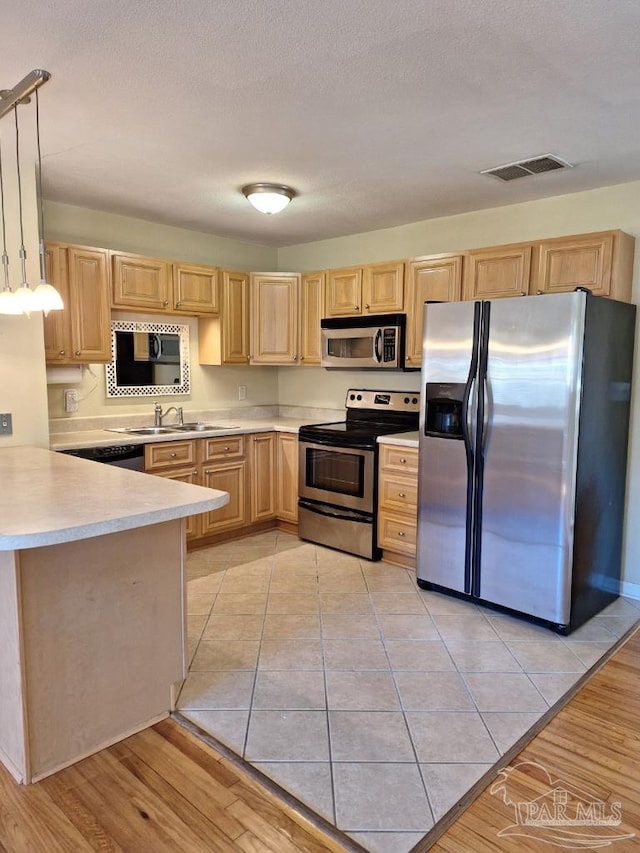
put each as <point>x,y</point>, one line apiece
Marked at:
<point>5,257</point>
<point>15,112</point>
<point>42,252</point>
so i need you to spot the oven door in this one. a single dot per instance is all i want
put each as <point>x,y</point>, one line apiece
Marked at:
<point>340,476</point>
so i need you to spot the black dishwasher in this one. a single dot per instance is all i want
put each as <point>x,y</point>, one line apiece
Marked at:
<point>123,456</point>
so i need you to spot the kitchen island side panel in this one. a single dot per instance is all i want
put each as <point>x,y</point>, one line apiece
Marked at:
<point>103,639</point>
<point>12,739</point>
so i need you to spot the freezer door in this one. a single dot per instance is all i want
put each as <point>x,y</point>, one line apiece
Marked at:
<point>532,397</point>
<point>444,522</point>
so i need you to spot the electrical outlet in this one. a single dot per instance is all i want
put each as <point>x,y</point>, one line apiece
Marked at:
<point>242,392</point>
<point>71,400</point>
<point>6,427</point>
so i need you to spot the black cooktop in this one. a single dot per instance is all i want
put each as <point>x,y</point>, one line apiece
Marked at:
<point>369,415</point>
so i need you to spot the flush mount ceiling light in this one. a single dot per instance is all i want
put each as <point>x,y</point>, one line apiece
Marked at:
<point>268,198</point>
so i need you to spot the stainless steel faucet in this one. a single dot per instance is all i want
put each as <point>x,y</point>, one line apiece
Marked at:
<point>159,414</point>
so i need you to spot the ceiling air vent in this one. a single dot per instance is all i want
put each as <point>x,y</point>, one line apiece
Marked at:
<point>522,168</point>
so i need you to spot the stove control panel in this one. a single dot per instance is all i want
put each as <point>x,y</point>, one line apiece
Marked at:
<point>394,401</point>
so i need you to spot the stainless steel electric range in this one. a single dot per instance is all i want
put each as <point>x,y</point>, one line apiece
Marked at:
<point>338,472</point>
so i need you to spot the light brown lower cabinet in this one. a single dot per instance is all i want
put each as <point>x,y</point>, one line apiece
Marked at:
<point>398,503</point>
<point>258,470</point>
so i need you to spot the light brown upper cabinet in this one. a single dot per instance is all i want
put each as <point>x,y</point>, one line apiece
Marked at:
<point>225,339</point>
<point>436,278</point>
<point>602,262</point>
<point>141,283</point>
<point>153,284</point>
<point>274,318</point>
<point>497,271</point>
<point>311,301</point>
<point>195,288</point>
<point>81,332</point>
<point>372,289</point>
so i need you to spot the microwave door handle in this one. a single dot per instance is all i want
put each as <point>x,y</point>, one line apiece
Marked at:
<point>154,346</point>
<point>377,351</point>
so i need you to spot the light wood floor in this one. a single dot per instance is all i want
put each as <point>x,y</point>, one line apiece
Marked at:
<point>592,745</point>
<point>164,791</point>
<point>160,791</point>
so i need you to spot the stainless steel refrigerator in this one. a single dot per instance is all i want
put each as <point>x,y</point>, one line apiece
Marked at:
<point>523,450</point>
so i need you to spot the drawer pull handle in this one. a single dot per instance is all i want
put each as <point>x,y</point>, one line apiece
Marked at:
<point>400,533</point>
<point>173,455</point>
<point>401,494</point>
<point>403,460</point>
<point>226,450</point>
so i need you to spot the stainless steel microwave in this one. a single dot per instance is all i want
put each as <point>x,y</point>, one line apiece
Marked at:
<point>375,341</point>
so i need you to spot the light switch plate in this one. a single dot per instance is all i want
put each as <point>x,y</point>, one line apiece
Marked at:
<point>242,392</point>
<point>6,425</point>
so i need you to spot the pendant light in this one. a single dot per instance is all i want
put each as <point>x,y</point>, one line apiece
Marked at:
<point>8,302</point>
<point>24,294</point>
<point>268,198</point>
<point>48,298</point>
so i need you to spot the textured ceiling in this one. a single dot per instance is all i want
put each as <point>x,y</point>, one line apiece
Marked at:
<point>378,112</point>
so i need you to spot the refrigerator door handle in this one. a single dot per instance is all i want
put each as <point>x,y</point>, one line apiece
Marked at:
<point>483,409</point>
<point>469,436</point>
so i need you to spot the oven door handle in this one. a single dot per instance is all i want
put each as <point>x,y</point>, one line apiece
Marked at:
<point>363,518</point>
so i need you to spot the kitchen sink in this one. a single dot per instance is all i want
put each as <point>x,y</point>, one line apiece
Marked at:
<point>171,430</point>
<point>144,430</point>
<point>199,427</point>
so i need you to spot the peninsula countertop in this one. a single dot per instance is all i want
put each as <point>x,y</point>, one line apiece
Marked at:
<point>48,498</point>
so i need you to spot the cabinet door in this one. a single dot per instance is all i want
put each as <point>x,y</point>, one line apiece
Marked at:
<point>195,289</point>
<point>57,326</point>
<point>311,302</point>
<point>344,292</point>
<point>567,263</point>
<point>142,283</point>
<point>287,477</point>
<point>90,310</point>
<point>433,279</point>
<point>274,318</point>
<point>235,318</point>
<point>383,288</point>
<point>228,477</point>
<point>262,492</point>
<point>188,475</point>
<point>496,272</point>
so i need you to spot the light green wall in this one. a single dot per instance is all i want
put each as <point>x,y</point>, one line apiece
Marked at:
<point>85,227</point>
<point>23,390</point>
<point>211,387</point>
<point>597,210</point>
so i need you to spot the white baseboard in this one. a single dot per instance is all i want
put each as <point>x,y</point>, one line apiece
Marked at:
<point>630,590</point>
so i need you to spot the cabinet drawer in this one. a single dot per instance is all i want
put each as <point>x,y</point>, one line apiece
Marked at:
<point>400,460</point>
<point>399,494</point>
<point>396,533</point>
<point>225,447</point>
<point>169,454</point>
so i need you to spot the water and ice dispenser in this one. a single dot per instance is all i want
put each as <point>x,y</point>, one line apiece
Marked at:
<point>443,413</point>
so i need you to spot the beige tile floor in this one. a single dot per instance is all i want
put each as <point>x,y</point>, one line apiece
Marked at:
<point>376,703</point>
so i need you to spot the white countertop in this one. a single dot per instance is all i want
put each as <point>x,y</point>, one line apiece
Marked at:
<point>402,439</point>
<point>48,498</point>
<point>105,438</point>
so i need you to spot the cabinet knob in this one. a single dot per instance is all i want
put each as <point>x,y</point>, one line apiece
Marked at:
<point>62,352</point>
<point>166,302</point>
<point>538,293</point>
<point>356,307</point>
<point>78,352</point>
<point>402,460</point>
<point>301,358</point>
<point>173,455</point>
<point>226,449</point>
<point>400,533</point>
<point>401,494</point>
<point>178,304</point>
<point>195,473</point>
<point>523,294</point>
<point>255,439</point>
<point>367,307</point>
